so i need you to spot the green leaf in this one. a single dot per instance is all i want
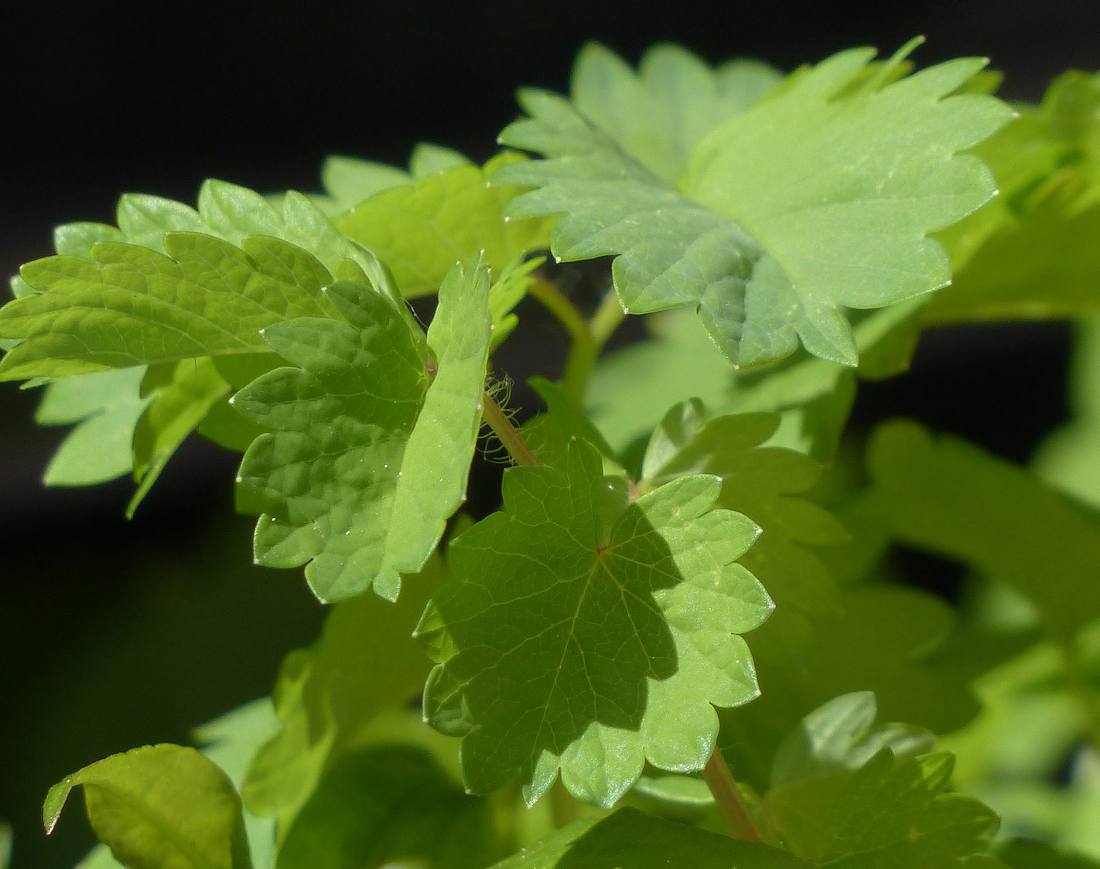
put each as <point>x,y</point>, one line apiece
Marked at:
<point>225,211</point>
<point>365,435</point>
<point>629,839</point>
<point>1030,253</point>
<point>100,857</point>
<point>589,635</point>
<point>428,159</point>
<point>230,742</point>
<point>5,845</point>
<point>670,789</point>
<point>632,388</point>
<point>884,639</point>
<point>421,230</point>
<point>1069,458</point>
<point>841,736</point>
<point>158,806</point>
<point>840,808</point>
<point>105,408</point>
<point>817,198</point>
<point>950,497</point>
<point>326,707</point>
<point>389,806</point>
<point>183,393</point>
<point>661,112</point>
<point>767,484</point>
<point>1029,854</point>
<point>130,306</point>
<point>349,180</point>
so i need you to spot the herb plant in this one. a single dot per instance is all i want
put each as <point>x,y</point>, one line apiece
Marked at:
<point>681,639</point>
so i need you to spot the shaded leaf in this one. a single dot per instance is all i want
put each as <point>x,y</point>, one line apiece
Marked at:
<point>886,811</point>
<point>588,635</point>
<point>389,806</point>
<point>629,839</point>
<point>328,696</point>
<point>948,496</point>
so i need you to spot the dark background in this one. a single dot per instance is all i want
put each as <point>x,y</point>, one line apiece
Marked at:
<point>115,634</point>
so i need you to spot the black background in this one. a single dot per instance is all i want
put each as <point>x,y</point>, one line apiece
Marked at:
<point>115,634</point>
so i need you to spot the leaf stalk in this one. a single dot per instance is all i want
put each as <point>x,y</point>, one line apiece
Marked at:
<point>727,795</point>
<point>509,435</point>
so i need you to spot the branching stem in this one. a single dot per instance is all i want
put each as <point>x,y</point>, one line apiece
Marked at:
<point>727,795</point>
<point>587,337</point>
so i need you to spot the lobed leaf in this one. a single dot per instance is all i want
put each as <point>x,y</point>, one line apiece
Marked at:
<point>818,198</point>
<point>888,811</point>
<point>131,306</point>
<point>420,230</point>
<point>588,635</point>
<point>368,441</point>
<point>660,113</point>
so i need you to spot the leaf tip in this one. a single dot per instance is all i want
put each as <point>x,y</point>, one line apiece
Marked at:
<point>54,803</point>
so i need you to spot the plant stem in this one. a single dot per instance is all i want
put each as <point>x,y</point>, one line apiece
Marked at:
<point>727,795</point>
<point>583,353</point>
<point>508,434</point>
<point>558,304</point>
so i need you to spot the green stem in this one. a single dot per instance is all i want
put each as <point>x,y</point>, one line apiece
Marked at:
<point>727,795</point>
<point>508,434</point>
<point>584,353</point>
<point>558,304</point>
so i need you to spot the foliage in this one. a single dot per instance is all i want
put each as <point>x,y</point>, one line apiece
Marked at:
<point>686,618</point>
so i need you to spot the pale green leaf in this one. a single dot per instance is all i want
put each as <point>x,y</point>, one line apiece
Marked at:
<point>948,496</point>
<point>130,306</point>
<point>588,635</point>
<point>159,806</point>
<point>349,180</point>
<point>100,857</point>
<point>326,707</point>
<point>1030,254</point>
<point>632,388</point>
<point>428,159</point>
<point>182,395</point>
<point>661,112</point>
<point>421,230</point>
<point>366,434</point>
<point>230,741</point>
<point>629,839</point>
<point>818,198</point>
<point>670,789</point>
<point>105,408</point>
